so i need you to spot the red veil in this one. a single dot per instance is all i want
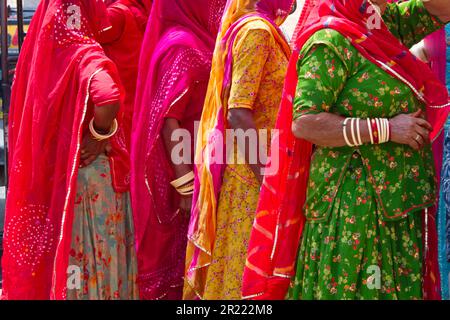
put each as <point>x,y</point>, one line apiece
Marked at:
<point>49,101</point>
<point>122,45</point>
<point>279,220</point>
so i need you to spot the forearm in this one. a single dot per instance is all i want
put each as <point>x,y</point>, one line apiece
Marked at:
<point>180,167</point>
<point>242,119</point>
<point>326,129</point>
<point>104,116</point>
<point>439,8</point>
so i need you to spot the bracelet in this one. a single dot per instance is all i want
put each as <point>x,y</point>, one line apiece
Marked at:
<point>355,143</point>
<point>358,131</point>
<point>187,188</point>
<point>369,128</point>
<point>100,137</point>
<point>182,181</point>
<point>379,130</point>
<point>344,131</point>
<point>376,136</point>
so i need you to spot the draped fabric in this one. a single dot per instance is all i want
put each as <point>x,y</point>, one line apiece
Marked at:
<point>209,157</point>
<point>176,54</point>
<point>279,221</point>
<point>435,47</point>
<point>49,102</point>
<point>122,44</point>
<point>443,216</point>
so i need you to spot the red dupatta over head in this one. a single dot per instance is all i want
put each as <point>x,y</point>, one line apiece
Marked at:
<point>176,53</point>
<point>122,45</point>
<point>49,101</point>
<point>279,221</point>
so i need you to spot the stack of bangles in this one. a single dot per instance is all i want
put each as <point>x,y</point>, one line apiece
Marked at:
<point>185,184</point>
<point>379,131</point>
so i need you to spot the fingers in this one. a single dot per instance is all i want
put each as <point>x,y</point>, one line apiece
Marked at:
<point>84,155</point>
<point>88,161</point>
<point>414,144</point>
<point>108,149</point>
<point>424,133</point>
<point>425,124</point>
<point>417,114</point>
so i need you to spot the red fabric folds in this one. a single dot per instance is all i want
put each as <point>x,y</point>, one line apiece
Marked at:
<point>49,102</point>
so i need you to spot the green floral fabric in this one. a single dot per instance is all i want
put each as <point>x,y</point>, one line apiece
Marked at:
<point>335,77</point>
<point>360,200</point>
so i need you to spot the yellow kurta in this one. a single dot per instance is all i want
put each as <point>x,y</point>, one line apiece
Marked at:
<point>259,69</point>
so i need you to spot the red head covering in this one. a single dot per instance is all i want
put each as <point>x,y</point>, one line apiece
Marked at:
<point>279,221</point>
<point>176,54</point>
<point>122,45</point>
<point>48,107</point>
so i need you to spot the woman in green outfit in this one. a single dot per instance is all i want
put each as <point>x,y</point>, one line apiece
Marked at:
<point>361,99</point>
<point>363,235</point>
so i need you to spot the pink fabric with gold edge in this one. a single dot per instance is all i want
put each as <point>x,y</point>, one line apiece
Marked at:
<point>176,54</point>
<point>271,259</point>
<point>49,101</point>
<point>436,48</point>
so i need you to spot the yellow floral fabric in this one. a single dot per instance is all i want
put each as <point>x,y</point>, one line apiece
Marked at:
<point>259,68</point>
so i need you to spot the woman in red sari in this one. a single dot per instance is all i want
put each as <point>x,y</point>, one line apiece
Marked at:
<point>68,228</point>
<point>174,71</point>
<point>122,44</point>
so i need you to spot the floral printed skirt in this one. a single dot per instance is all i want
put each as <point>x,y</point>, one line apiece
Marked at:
<point>356,254</point>
<point>102,238</point>
<point>235,214</point>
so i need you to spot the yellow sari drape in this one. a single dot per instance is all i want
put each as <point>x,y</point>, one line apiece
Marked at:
<point>202,234</point>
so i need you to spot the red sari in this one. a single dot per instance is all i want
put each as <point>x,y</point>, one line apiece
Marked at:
<point>122,44</point>
<point>49,103</point>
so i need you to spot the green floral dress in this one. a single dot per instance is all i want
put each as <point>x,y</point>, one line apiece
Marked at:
<point>362,239</point>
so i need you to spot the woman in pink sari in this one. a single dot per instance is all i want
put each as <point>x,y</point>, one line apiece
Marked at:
<point>68,228</point>
<point>174,71</point>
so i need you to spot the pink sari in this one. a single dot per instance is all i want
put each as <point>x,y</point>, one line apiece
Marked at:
<point>436,49</point>
<point>176,54</point>
<point>279,221</point>
<point>49,102</point>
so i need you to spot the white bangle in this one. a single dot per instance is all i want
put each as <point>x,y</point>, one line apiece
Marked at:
<point>358,132</point>
<point>355,142</point>
<point>388,130</point>
<point>100,137</point>
<point>344,131</point>
<point>369,127</point>
<point>380,134</point>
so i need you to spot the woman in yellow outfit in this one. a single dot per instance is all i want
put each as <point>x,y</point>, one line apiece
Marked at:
<point>244,93</point>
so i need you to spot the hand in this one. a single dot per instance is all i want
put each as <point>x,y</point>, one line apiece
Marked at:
<point>410,129</point>
<point>186,204</point>
<point>91,149</point>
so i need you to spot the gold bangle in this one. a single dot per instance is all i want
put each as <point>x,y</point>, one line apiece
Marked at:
<point>185,189</point>
<point>100,137</point>
<point>189,177</point>
<point>190,193</point>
